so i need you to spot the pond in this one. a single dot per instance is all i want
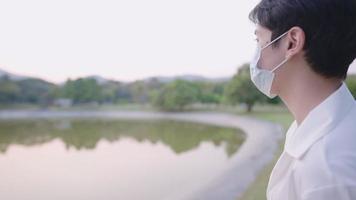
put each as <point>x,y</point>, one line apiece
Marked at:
<point>106,159</point>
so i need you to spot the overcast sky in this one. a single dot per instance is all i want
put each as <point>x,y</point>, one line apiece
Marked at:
<point>125,40</point>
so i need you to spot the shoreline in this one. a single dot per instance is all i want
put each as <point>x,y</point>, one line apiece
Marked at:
<point>254,154</point>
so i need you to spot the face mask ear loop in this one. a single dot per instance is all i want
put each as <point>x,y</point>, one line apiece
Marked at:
<point>273,41</point>
<point>278,66</point>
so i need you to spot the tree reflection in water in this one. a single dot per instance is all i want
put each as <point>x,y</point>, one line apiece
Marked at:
<point>85,134</point>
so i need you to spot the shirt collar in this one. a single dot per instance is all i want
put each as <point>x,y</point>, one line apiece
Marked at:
<point>320,121</point>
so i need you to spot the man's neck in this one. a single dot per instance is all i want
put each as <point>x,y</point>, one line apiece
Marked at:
<point>302,97</point>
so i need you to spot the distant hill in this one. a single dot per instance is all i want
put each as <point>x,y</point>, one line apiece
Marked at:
<point>166,79</point>
<point>102,80</point>
<point>12,76</point>
<point>99,79</point>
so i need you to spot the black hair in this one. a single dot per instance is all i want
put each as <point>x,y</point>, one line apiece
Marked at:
<point>329,27</point>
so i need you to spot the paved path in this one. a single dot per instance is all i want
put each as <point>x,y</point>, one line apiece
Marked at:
<point>254,154</point>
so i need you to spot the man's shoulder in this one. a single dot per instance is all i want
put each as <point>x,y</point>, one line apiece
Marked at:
<point>343,136</point>
<point>349,119</point>
<point>333,158</point>
<point>340,149</point>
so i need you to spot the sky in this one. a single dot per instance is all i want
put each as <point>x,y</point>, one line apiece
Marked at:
<point>125,40</point>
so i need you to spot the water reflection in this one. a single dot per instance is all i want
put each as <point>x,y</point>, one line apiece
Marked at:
<point>111,160</point>
<point>85,134</point>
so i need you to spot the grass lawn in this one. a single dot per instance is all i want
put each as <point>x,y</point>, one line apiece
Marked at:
<point>18,106</point>
<point>257,190</point>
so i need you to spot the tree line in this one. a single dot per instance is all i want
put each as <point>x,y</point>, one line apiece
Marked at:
<point>175,95</point>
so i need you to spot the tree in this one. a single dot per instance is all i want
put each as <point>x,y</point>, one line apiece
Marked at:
<point>351,83</point>
<point>35,90</point>
<point>10,92</point>
<point>176,95</point>
<point>241,89</point>
<point>210,92</point>
<point>82,90</point>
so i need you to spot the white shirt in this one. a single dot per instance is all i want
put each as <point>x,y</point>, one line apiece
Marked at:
<point>319,157</point>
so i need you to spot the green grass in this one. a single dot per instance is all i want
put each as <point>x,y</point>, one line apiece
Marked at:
<point>18,106</point>
<point>257,190</point>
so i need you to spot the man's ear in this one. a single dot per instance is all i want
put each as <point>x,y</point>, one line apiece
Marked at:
<point>296,41</point>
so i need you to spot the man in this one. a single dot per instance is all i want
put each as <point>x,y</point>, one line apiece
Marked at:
<point>304,49</point>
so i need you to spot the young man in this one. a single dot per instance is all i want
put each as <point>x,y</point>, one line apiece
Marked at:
<point>304,49</point>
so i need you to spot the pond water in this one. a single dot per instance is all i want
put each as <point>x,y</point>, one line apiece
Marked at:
<point>88,159</point>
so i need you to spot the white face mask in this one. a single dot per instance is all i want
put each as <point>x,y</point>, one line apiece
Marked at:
<point>262,78</point>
